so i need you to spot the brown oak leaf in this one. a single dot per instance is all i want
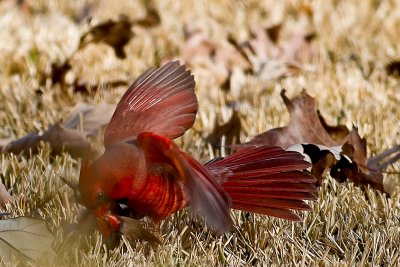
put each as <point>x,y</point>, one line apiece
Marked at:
<point>306,125</point>
<point>334,148</point>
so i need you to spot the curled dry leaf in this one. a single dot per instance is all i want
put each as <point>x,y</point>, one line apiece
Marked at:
<point>378,162</point>
<point>334,148</point>
<point>68,136</point>
<point>113,33</point>
<point>24,237</point>
<point>60,139</point>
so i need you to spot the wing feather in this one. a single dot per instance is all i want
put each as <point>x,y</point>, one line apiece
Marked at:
<point>206,197</point>
<point>161,100</point>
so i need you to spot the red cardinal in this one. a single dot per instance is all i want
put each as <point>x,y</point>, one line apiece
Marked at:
<point>143,169</point>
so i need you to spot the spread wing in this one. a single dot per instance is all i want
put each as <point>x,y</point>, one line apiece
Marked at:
<point>161,100</point>
<point>206,197</point>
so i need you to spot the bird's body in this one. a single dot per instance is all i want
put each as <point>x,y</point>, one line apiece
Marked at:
<point>121,174</point>
<point>143,169</point>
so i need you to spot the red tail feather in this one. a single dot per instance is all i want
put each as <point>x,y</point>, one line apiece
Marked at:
<point>266,180</point>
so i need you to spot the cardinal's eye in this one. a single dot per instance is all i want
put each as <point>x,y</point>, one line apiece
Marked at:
<point>101,198</point>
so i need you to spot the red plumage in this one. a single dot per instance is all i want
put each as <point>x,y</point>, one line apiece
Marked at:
<point>266,180</point>
<point>142,168</point>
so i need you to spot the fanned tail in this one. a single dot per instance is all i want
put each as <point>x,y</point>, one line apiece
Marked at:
<point>266,180</point>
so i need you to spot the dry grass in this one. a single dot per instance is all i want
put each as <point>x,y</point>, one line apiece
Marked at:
<point>348,226</point>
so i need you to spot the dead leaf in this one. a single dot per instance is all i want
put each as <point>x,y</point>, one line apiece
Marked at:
<point>5,197</point>
<point>231,130</point>
<point>326,160</point>
<point>82,87</point>
<point>271,57</point>
<point>333,148</point>
<point>152,18</point>
<point>262,47</point>
<point>113,33</point>
<point>59,71</point>
<point>378,162</point>
<point>89,118</point>
<point>60,139</point>
<point>216,59</point>
<point>262,53</point>
<point>274,32</point>
<point>337,133</point>
<point>393,68</point>
<point>68,136</point>
<point>304,126</point>
<point>26,237</point>
<point>198,49</point>
<point>299,49</point>
<point>358,145</point>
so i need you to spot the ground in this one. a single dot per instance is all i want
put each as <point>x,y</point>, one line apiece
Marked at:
<point>354,41</point>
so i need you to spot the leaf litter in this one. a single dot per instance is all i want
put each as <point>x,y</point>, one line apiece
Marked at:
<point>349,201</point>
<point>334,148</point>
